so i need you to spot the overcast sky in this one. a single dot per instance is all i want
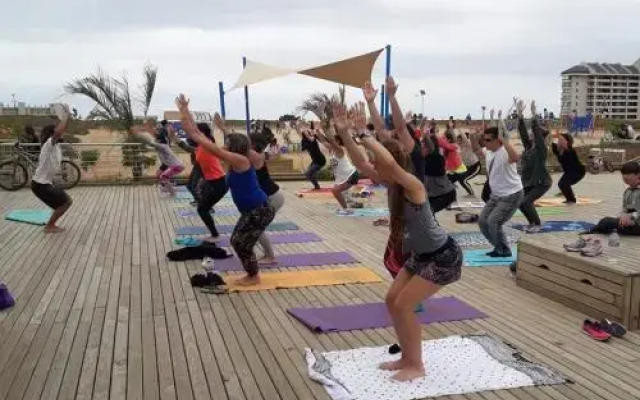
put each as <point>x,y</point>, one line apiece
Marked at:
<point>464,53</point>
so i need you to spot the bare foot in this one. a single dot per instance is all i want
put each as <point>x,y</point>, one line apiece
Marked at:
<point>248,280</point>
<point>391,365</point>
<point>53,229</point>
<point>408,374</point>
<point>267,261</point>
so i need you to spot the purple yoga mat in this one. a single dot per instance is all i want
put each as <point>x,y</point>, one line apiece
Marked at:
<point>283,238</point>
<point>375,315</point>
<point>291,260</point>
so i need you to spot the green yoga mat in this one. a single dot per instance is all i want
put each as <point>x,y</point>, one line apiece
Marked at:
<point>546,211</point>
<point>34,217</point>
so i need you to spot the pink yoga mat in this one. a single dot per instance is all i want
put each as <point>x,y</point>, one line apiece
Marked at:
<point>291,260</point>
<point>375,315</point>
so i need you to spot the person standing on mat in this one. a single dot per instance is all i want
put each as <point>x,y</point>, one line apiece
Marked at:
<point>270,188</point>
<point>572,168</point>
<point>435,259</point>
<point>310,145</point>
<point>195,176</point>
<point>345,175</point>
<point>471,162</point>
<point>49,164</point>
<point>440,190</point>
<point>255,211</point>
<point>504,189</point>
<point>535,177</point>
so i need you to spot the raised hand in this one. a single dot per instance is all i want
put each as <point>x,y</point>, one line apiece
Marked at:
<point>491,113</point>
<point>359,118</point>
<point>340,120</point>
<point>520,107</point>
<point>370,93</point>
<point>392,87</point>
<point>499,114</point>
<point>182,103</point>
<point>533,108</point>
<point>219,121</point>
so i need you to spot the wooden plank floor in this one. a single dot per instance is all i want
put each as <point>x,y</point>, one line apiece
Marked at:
<point>101,313</point>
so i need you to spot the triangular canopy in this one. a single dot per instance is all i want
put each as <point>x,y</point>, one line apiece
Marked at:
<point>353,71</point>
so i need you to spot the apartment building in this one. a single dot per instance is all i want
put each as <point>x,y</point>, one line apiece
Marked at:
<point>26,110</point>
<point>609,90</point>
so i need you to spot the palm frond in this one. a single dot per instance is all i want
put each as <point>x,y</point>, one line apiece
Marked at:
<point>150,75</point>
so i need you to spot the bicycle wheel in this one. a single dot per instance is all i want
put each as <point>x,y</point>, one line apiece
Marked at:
<point>13,175</point>
<point>69,175</point>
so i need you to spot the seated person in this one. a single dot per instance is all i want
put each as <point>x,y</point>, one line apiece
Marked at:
<point>628,223</point>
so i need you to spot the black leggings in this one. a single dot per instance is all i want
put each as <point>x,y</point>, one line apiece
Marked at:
<point>248,230</point>
<point>567,180</point>
<point>210,195</point>
<point>609,225</point>
<point>194,180</point>
<point>527,206</point>
<point>465,177</point>
<point>439,203</point>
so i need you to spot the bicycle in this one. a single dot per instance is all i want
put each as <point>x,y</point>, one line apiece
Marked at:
<point>16,172</point>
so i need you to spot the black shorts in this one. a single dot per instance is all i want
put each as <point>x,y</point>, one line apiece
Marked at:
<point>50,195</point>
<point>354,178</point>
<point>442,267</point>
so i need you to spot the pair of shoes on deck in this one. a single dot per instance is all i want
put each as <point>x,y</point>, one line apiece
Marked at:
<point>588,247</point>
<point>603,330</point>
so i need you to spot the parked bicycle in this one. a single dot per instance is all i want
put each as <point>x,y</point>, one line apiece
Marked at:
<point>16,172</point>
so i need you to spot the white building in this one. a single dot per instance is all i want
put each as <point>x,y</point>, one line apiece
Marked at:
<point>610,90</point>
<point>27,110</point>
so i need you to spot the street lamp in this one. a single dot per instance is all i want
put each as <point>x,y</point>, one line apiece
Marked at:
<point>423,93</point>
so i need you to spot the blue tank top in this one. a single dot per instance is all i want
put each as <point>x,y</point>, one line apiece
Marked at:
<point>245,190</point>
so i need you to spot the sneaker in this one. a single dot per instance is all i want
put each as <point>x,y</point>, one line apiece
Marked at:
<point>614,240</point>
<point>594,330</point>
<point>577,246</point>
<point>533,229</point>
<point>495,254</point>
<point>569,203</point>
<point>614,328</point>
<point>592,249</point>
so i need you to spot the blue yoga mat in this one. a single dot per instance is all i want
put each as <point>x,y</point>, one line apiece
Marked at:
<point>220,212</point>
<point>364,212</point>
<point>226,229</point>
<point>34,217</point>
<point>560,226</point>
<point>475,239</point>
<point>479,258</point>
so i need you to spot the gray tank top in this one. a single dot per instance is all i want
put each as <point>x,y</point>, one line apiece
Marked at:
<point>438,185</point>
<point>422,234</point>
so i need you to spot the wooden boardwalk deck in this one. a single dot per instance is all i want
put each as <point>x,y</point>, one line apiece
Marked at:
<point>101,313</point>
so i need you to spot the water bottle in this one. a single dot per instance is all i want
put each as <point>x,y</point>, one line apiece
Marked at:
<point>614,240</point>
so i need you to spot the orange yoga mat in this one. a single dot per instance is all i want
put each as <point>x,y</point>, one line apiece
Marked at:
<point>558,201</point>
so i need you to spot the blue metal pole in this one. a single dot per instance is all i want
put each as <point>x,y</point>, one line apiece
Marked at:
<point>388,73</point>
<point>246,100</point>
<point>223,110</point>
<point>382,97</point>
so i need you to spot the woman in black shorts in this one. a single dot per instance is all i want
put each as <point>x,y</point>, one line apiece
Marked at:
<point>49,164</point>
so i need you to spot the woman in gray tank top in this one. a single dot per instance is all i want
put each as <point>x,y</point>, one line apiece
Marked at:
<point>435,259</point>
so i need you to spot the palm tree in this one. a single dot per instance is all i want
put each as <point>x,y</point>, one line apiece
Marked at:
<point>321,104</point>
<point>112,96</point>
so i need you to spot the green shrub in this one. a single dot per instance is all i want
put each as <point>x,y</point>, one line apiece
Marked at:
<point>88,158</point>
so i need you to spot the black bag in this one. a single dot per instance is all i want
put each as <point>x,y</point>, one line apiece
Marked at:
<point>466,218</point>
<point>198,253</point>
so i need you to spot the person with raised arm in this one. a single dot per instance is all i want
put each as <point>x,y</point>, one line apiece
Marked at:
<point>195,176</point>
<point>310,144</point>
<point>470,160</point>
<point>441,191</point>
<point>572,168</point>
<point>434,258</point>
<point>535,177</point>
<point>172,164</point>
<point>503,189</point>
<point>255,211</point>
<point>49,164</point>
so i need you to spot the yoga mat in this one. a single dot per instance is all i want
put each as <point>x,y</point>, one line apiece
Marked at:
<point>364,212</point>
<point>316,277</point>
<point>471,239</point>
<point>33,217</point>
<point>283,238</point>
<point>545,211</point>
<point>375,315</point>
<point>454,365</point>
<point>226,229</point>
<point>189,241</point>
<point>558,201</point>
<point>291,260</point>
<point>468,204</point>
<point>559,226</point>
<point>479,258</point>
<point>220,212</point>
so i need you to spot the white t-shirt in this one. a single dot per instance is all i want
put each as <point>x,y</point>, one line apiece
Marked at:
<point>48,163</point>
<point>503,175</point>
<point>342,168</point>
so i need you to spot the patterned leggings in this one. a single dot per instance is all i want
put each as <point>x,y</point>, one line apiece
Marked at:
<point>245,235</point>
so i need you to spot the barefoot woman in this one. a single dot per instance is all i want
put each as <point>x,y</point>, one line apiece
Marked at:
<point>255,211</point>
<point>49,164</point>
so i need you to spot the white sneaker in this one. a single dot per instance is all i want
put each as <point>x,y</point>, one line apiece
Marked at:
<point>208,264</point>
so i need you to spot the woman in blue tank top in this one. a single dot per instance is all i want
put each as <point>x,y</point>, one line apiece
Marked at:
<point>249,198</point>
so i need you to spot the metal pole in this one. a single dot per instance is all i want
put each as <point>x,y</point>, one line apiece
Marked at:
<point>382,97</point>
<point>388,73</point>
<point>246,100</point>
<point>223,110</point>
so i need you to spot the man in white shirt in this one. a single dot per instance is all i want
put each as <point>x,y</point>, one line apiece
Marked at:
<point>506,190</point>
<point>49,164</point>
